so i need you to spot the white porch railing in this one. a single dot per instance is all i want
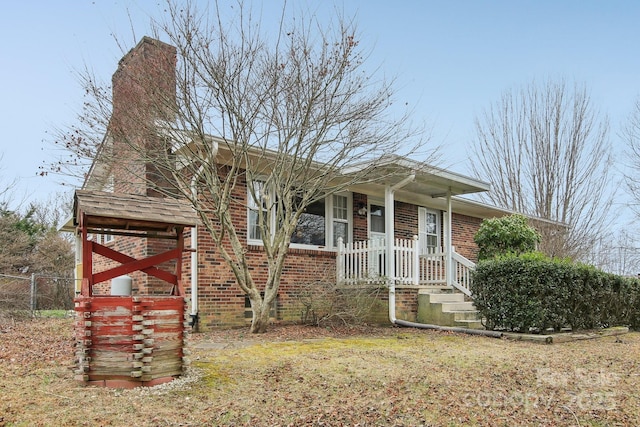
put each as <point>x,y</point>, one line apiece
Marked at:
<point>365,262</point>
<point>462,269</point>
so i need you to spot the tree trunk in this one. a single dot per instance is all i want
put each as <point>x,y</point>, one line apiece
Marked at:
<point>260,320</point>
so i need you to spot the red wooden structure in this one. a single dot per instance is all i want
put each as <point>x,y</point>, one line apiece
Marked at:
<point>131,340</point>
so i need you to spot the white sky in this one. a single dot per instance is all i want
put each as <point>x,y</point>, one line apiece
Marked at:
<point>451,59</point>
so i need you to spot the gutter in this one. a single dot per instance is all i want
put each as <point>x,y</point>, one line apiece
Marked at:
<point>194,255</point>
<point>194,239</point>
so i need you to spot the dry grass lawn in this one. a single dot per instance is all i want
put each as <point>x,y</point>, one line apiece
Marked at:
<point>304,376</point>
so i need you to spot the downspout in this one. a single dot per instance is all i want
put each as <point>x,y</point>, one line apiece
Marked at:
<point>390,264</point>
<point>194,255</point>
<point>194,239</point>
<point>448,243</point>
<point>390,232</point>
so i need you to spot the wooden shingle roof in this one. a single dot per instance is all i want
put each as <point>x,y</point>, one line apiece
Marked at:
<point>131,212</point>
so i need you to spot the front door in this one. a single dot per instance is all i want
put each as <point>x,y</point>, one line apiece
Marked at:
<point>377,237</point>
<point>428,230</point>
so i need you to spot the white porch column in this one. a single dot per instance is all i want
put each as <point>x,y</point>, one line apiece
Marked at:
<point>389,236</point>
<point>447,243</point>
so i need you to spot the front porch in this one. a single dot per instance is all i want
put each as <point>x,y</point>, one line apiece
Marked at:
<point>428,259</point>
<point>433,284</point>
<point>366,262</point>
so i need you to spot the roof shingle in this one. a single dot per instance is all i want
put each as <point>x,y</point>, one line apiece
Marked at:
<point>133,212</point>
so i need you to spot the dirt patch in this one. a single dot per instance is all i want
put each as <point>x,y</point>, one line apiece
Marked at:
<point>307,376</point>
<point>241,337</point>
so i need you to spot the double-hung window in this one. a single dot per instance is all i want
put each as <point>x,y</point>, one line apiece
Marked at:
<point>320,225</point>
<point>256,208</point>
<point>340,218</point>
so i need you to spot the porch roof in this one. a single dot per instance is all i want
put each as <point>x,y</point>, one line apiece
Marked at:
<point>429,181</point>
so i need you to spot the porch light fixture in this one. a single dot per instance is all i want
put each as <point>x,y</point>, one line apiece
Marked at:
<point>362,209</point>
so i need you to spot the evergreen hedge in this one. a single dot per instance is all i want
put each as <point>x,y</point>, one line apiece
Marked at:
<point>532,292</point>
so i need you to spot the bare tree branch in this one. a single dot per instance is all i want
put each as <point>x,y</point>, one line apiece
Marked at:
<point>631,133</point>
<point>546,152</point>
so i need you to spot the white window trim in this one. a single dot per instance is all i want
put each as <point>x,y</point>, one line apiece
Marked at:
<point>328,207</point>
<point>251,207</point>
<point>101,238</point>
<point>329,219</point>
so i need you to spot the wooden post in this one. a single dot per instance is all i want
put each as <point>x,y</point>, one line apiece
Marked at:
<point>33,292</point>
<point>87,257</point>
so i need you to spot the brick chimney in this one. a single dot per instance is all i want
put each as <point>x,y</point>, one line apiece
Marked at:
<point>144,93</point>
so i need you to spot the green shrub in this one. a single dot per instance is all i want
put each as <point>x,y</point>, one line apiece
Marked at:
<point>507,235</point>
<point>532,292</point>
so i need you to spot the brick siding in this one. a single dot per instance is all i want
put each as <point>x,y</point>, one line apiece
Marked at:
<point>464,228</point>
<point>222,302</point>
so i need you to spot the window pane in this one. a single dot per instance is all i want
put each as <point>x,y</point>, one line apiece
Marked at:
<point>431,226</point>
<point>377,218</point>
<point>311,227</point>
<point>258,189</point>
<point>340,229</point>
<point>339,207</point>
<point>254,229</point>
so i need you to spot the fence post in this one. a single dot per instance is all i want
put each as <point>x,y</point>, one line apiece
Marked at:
<point>33,292</point>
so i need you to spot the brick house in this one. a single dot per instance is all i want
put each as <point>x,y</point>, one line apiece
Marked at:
<point>416,215</point>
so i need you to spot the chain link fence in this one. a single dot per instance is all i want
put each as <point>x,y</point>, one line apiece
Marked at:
<point>36,292</point>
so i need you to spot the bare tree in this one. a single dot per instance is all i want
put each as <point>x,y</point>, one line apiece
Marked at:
<point>631,133</point>
<point>617,254</point>
<point>545,150</point>
<point>281,114</point>
<point>7,187</point>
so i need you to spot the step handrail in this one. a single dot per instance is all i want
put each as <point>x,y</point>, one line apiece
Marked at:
<point>461,273</point>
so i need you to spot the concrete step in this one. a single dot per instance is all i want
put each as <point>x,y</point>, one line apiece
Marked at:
<point>465,315</point>
<point>438,289</point>
<point>448,307</point>
<point>442,298</point>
